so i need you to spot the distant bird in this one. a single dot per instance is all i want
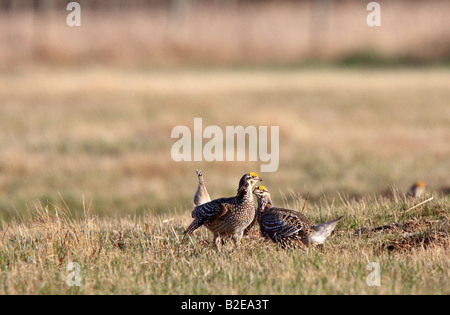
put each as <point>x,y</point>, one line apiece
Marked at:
<point>201,195</point>
<point>227,216</point>
<point>289,228</point>
<point>416,190</point>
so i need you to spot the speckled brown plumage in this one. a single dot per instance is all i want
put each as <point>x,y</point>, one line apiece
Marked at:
<point>227,216</point>
<point>288,228</point>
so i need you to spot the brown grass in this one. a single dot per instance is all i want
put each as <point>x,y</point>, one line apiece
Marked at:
<point>105,133</point>
<point>86,174</point>
<point>146,254</point>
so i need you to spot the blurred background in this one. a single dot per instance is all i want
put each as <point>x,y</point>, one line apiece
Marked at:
<point>224,32</point>
<point>87,112</point>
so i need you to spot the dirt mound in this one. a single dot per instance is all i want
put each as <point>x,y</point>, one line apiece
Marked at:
<point>410,235</point>
<point>422,240</point>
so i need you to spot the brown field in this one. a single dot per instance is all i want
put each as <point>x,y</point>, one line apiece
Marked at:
<point>105,133</point>
<point>86,173</point>
<point>147,255</point>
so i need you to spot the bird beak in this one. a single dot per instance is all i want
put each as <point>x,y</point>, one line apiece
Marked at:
<point>260,179</point>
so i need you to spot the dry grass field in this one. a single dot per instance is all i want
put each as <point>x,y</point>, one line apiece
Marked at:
<point>87,176</point>
<point>147,255</point>
<point>106,133</point>
<point>86,165</point>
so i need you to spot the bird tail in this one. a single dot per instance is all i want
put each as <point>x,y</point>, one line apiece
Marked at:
<point>200,176</point>
<point>201,195</point>
<point>322,231</point>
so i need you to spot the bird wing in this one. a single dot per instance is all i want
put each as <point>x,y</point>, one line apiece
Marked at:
<point>284,222</point>
<point>210,211</point>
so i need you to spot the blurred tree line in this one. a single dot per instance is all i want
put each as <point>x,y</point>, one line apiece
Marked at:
<point>48,5</point>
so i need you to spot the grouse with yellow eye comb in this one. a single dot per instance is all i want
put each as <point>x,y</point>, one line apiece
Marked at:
<point>289,228</point>
<point>416,190</point>
<point>228,216</point>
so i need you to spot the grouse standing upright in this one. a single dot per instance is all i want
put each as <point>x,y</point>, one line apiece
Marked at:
<point>228,216</point>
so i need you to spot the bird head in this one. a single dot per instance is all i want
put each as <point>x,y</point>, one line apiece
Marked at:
<point>261,191</point>
<point>248,180</point>
<point>420,184</point>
